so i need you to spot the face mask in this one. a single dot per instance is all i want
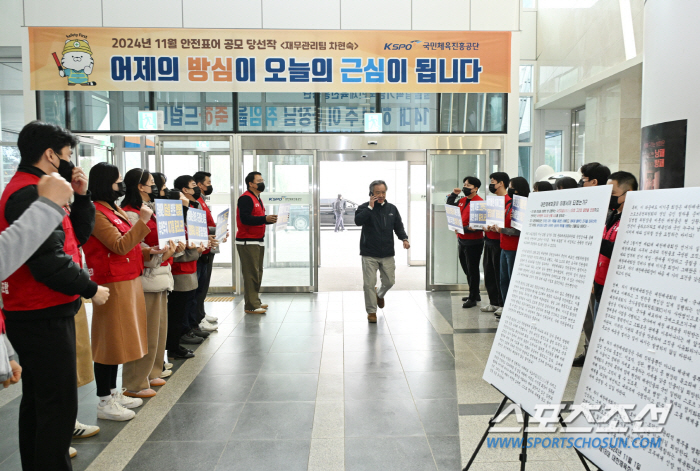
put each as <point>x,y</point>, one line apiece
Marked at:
<point>154,190</point>
<point>121,190</point>
<point>580,183</point>
<point>261,187</point>
<point>511,192</point>
<point>492,188</point>
<point>197,192</point>
<point>209,190</point>
<point>614,203</point>
<point>65,169</point>
<point>466,191</point>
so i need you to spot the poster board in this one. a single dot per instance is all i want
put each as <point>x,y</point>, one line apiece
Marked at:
<point>222,224</point>
<point>171,225</point>
<point>197,230</point>
<point>283,216</point>
<point>645,347</point>
<point>477,214</point>
<point>540,327</point>
<point>519,212</point>
<point>454,218</point>
<point>663,155</point>
<point>495,210</point>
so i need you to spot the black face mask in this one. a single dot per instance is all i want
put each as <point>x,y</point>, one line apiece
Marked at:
<point>121,191</point>
<point>466,191</point>
<point>197,192</point>
<point>65,169</point>
<point>580,183</point>
<point>614,203</point>
<point>511,192</point>
<point>492,188</point>
<point>261,187</point>
<point>209,190</point>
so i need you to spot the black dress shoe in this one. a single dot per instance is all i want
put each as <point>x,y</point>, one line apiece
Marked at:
<point>579,360</point>
<point>466,298</point>
<point>190,338</point>
<point>199,333</point>
<point>469,303</point>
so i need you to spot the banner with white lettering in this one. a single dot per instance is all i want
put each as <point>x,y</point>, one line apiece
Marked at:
<point>495,210</point>
<point>171,225</point>
<point>540,327</point>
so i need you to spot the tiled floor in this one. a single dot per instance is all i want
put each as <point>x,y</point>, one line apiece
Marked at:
<point>312,386</point>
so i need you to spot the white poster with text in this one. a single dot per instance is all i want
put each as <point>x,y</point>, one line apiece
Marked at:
<point>540,327</point>
<point>645,348</point>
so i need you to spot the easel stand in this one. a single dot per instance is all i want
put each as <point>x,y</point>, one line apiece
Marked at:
<point>523,453</point>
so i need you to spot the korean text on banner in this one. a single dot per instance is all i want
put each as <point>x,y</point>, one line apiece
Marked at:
<point>454,218</point>
<point>645,347</point>
<point>531,356</point>
<point>258,60</point>
<point>477,214</point>
<point>171,225</point>
<point>283,217</point>
<point>495,210</point>
<point>197,230</point>
<point>519,212</point>
<point>222,224</point>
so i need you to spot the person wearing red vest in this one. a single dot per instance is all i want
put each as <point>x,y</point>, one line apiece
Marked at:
<point>42,297</point>
<point>205,264</point>
<point>622,183</point>
<point>115,258</point>
<point>471,243</point>
<point>182,305</point>
<point>250,240</point>
<point>498,185</point>
<point>510,236</point>
<point>156,281</point>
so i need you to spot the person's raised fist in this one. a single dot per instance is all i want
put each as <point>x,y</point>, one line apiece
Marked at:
<point>55,188</point>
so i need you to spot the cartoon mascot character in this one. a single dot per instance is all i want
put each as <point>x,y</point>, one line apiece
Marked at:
<point>77,62</point>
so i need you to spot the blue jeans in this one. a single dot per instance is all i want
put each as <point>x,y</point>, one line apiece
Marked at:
<point>507,264</point>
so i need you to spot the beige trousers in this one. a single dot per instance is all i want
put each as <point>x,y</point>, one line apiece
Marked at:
<point>136,374</point>
<point>251,256</point>
<point>387,275</point>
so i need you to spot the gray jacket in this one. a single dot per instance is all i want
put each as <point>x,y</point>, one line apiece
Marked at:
<point>155,278</point>
<point>17,243</point>
<point>186,282</point>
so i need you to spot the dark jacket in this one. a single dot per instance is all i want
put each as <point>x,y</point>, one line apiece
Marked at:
<point>377,226</point>
<point>50,265</point>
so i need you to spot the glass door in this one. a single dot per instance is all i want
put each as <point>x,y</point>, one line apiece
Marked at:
<point>417,205</point>
<point>289,264</point>
<point>90,151</point>
<point>446,170</point>
<point>186,155</point>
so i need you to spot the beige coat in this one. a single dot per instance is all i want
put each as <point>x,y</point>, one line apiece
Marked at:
<point>119,329</point>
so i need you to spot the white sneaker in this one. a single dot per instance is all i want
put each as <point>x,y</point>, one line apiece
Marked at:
<point>126,401</point>
<point>207,327</point>
<point>168,366</point>
<point>488,308</point>
<point>72,452</point>
<point>499,311</point>
<point>112,410</point>
<point>256,311</point>
<point>166,373</point>
<point>84,431</point>
<point>211,319</point>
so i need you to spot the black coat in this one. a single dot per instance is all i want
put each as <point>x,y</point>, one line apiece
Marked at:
<point>377,226</point>
<point>50,265</point>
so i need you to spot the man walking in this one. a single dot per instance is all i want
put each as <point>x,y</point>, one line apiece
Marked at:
<point>338,211</point>
<point>378,219</point>
<point>250,240</point>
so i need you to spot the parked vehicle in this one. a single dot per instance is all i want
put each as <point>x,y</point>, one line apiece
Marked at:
<point>299,215</point>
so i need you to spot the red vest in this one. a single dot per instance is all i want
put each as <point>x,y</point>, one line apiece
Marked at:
<point>152,238</point>
<point>210,219</point>
<point>107,266</point>
<point>509,242</point>
<point>601,270</point>
<point>250,232</point>
<point>21,292</point>
<point>465,209</point>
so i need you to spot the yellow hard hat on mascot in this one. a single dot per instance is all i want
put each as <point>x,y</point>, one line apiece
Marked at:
<point>77,45</point>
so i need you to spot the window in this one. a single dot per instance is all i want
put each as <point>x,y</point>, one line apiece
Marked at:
<point>578,137</point>
<point>526,79</point>
<point>276,112</point>
<point>11,117</point>
<point>409,112</point>
<point>472,112</point>
<point>195,111</point>
<point>345,112</point>
<point>553,149</point>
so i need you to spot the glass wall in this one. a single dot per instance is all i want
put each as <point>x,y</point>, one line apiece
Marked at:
<point>11,117</point>
<point>553,149</point>
<point>193,112</point>
<point>526,121</point>
<point>578,138</point>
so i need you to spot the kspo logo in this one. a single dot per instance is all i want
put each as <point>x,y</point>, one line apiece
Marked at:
<point>397,47</point>
<point>284,198</point>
